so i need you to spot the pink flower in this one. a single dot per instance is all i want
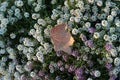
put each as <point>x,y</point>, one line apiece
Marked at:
<point>91,30</point>
<point>83,37</point>
<point>23,77</point>
<point>41,73</point>
<point>89,43</point>
<point>108,46</point>
<point>71,68</point>
<point>75,53</point>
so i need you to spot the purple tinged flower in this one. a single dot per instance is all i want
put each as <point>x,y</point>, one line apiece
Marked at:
<point>108,46</point>
<point>91,30</point>
<point>108,66</point>
<point>41,73</point>
<point>90,63</point>
<point>75,53</point>
<point>112,77</point>
<point>50,66</point>
<point>89,43</point>
<point>47,77</point>
<point>83,37</point>
<point>62,68</point>
<point>65,57</point>
<point>57,78</point>
<point>85,57</point>
<point>30,65</point>
<point>59,63</point>
<point>33,78</point>
<point>71,68</point>
<point>66,66</point>
<point>79,72</point>
<point>81,78</point>
<point>58,53</point>
<point>23,77</point>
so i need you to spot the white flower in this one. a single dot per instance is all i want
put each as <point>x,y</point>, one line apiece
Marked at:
<point>77,19</point>
<point>35,16</point>
<point>7,77</point>
<point>97,73</point>
<point>37,8</point>
<point>54,16</point>
<point>96,35</point>
<point>46,46</point>
<point>26,14</point>
<point>33,74</point>
<point>41,59</point>
<point>87,24</point>
<point>74,31</point>
<point>66,3</point>
<point>115,71</point>
<point>93,18</point>
<point>53,2</point>
<point>28,42</point>
<point>30,50</point>
<point>19,68</point>
<point>72,12</point>
<point>29,56</point>
<point>19,3</point>
<point>85,17</point>
<point>4,21</point>
<point>2,51</point>
<point>104,23</point>
<point>51,70</point>
<point>70,24</point>
<point>99,3</point>
<point>72,18</point>
<point>11,67</point>
<point>10,50</point>
<point>2,63</point>
<point>114,37</point>
<point>32,32</point>
<point>12,36</point>
<point>94,9</point>
<point>77,13</point>
<point>2,70</point>
<point>110,18</point>
<point>41,22</point>
<point>20,47</point>
<point>40,38</point>
<point>112,29</point>
<point>98,26</point>
<point>113,13</point>
<point>89,79</point>
<point>103,16</point>
<point>117,23</point>
<point>2,31</point>
<point>60,21</point>
<point>40,56</point>
<point>17,10</point>
<point>17,75</point>
<point>47,32</point>
<point>113,52</point>
<point>4,59</point>
<point>2,44</point>
<point>91,1</point>
<point>25,50</point>
<point>117,61</point>
<point>66,16</point>
<point>80,4</point>
<point>18,15</point>
<point>106,37</point>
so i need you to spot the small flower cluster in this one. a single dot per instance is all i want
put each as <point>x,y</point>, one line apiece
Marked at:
<point>26,51</point>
